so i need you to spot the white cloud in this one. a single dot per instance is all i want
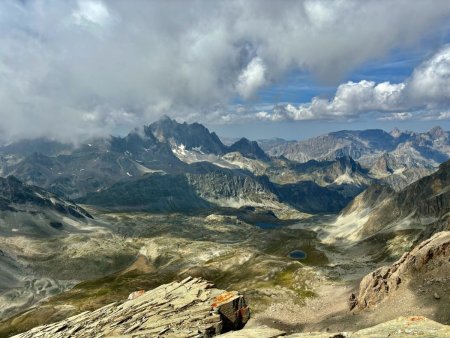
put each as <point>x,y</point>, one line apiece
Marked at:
<point>81,64</point>
<point>252,78</point>
<point>351,99</point>
<point>426,90</point>
<point>430,82</point>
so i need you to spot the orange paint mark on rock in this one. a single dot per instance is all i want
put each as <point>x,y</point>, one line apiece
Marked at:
<point>223,298</point>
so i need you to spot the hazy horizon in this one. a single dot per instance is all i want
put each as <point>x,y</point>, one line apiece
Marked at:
<point>227,134</point>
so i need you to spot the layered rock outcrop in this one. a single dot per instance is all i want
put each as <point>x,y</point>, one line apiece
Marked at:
<point>190,308</point>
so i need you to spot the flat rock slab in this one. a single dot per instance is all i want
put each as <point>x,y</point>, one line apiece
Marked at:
<point>190,308</point>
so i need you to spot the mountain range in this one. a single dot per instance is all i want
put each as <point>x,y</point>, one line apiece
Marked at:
<point>216,174</point>
<point>397,157</point>
<point>304,175</point>
<point>429,148</point>
<point>170,199</point>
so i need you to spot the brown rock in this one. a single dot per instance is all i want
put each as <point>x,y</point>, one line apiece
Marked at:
<point>384,281</point>
<point>352,301</point>
<point>233,310</point>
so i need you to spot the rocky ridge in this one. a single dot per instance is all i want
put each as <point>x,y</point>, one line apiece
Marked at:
<point>431,254</point>
<point>397,158</point>
<point>15,195</point>
<point>189,308</point>
<point>422,206</point>
<point>367,146</point>
<point>169,147</point>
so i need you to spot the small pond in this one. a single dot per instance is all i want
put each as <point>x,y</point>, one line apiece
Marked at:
<point>266,225</point>
<point>297,254</point>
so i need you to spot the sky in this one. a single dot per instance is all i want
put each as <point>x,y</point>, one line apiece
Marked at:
<point>73,69</point>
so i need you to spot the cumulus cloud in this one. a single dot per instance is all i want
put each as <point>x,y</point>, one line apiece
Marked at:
<point>89,67</point>
<point>252,78</point>
<point>426,90</point>
<point>430,82</point>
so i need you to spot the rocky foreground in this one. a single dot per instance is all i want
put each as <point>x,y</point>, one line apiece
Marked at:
<point>195,308</point>
<point>190,308</point>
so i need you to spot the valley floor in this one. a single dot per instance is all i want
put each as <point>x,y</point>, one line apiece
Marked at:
<point>132,251</point>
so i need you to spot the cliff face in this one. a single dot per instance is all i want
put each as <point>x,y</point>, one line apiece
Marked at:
<point>226,185</point>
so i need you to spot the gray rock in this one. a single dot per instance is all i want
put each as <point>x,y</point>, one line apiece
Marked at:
<point>190,308</point>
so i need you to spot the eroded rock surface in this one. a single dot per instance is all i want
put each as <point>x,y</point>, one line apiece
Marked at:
<point>426,256</point>
<point>190,308</point>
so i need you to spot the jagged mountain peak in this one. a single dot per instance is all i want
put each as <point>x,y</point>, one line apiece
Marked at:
<point>195,136</point>
<point>189,135</point>
<point>136,141</point>
<point>436,132</point>
<point>249,149</point>
<point>409,150</point>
